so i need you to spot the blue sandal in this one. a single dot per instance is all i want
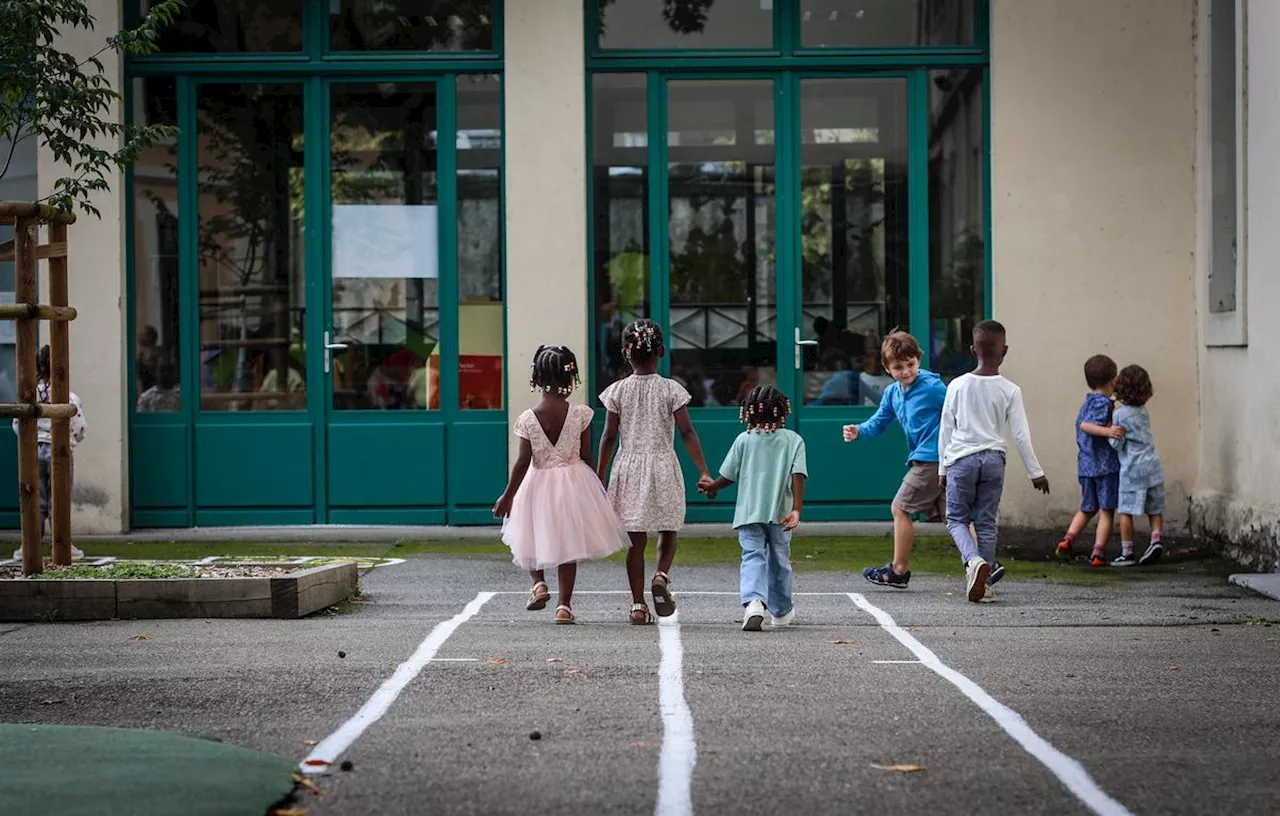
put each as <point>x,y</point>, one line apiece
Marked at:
<point>885,576</point>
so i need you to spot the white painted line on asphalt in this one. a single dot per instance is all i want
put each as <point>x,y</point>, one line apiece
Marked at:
<point>333,746</point>
<point>679,750</point>
<point>1068,771</point>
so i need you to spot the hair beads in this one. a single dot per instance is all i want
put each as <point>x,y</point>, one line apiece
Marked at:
<point>641,341</point>
<point>554,370</point>
<point>764,410</point>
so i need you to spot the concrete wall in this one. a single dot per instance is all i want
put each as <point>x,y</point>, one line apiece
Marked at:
<point>1093,208</point>
<point>546,207</point>
<point>1237,501</point>
<point>97,290</point>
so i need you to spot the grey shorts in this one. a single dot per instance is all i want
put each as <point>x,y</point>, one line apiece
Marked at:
<point>1142,502</point>
<point>921,493</point>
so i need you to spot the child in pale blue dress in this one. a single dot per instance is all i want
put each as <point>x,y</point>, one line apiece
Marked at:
<point>1141,474</point>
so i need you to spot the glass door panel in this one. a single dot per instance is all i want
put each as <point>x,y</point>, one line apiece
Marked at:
<point>853,235</point>
<point>252,303</point>
<point>722,262</point>
<point>383,348</point>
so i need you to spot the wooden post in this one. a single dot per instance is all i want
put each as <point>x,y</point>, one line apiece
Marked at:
<point>27,339</point>
<point>60,394</point>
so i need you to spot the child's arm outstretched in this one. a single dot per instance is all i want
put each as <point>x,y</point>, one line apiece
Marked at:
<point>608,441</point>
<point>503,507</point>
<point>691,442</point>
<point>584,448</point>
<point>879,420</point>
<point>1017,419</point>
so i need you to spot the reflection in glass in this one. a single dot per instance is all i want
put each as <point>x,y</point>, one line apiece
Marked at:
<point>155,252</point>
<point>252,294</point>
<point>853,234</point>
<point>385,266</point>
<point>420,25</point>
<point>685,24</point>
<point>885,23</point>
<point>481,336</point>
<point>723,228</point>
<point>620,179</point>
<point>233,26</point>
<point>957,235</point>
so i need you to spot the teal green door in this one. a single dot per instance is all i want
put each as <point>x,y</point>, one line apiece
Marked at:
<point>786,204</point>
<point>410,337</point>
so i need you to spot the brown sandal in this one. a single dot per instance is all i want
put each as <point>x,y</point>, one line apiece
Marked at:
<point>538,599</point>
<point>567,617</point>
<point>646,618</point>
<point>664,602</point>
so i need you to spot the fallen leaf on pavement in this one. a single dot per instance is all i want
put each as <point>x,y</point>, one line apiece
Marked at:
<point>841,642</point>
<point>303,782</point>
<point>308,742</point>
<point>555,659</point>
<point>915,629</point>
<point>1173,668</point>
<point>498,661</point>
<point>899,768</point>
<point>317,763</point>
<point>49,701</point>
<point>573,671</point>
<point>289,812</point>
<point>140,637</point>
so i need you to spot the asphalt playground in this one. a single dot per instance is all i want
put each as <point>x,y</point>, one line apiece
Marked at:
<point>440,694</point>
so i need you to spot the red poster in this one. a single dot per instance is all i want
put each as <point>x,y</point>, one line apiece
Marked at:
<point>480,381</point>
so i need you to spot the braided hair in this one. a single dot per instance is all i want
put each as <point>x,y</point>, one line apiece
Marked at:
<point>642,341</point>
<point>554,370</point>
<point>765,409</point>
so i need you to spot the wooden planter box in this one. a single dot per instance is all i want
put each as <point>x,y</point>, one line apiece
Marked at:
<point>293,595</point>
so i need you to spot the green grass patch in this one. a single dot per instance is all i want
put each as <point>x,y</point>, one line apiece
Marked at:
<point>122,571</point>
<point>933,555</point>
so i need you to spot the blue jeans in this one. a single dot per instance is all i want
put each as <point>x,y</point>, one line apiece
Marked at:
<point>766,566</point>
<point>974,486</point>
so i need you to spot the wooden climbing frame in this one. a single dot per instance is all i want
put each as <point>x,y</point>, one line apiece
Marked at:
<point>25,251</point>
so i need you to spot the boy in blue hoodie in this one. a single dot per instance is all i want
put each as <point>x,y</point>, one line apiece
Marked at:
<point>915,400</point>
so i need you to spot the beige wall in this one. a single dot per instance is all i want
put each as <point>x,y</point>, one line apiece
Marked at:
<point>1238,501</point>
<point>1093,213</point>
<point>97,290</point>
<point>546,208</point>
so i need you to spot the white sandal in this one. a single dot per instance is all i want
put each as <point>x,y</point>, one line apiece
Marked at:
<point>648,616</point>
<point>664,601</point>
<point>566,620</point>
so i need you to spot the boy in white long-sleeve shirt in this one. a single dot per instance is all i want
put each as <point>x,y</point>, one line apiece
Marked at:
<point>978,407</point>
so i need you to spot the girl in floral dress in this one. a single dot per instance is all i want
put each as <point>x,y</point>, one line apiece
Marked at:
<point>647,487</point>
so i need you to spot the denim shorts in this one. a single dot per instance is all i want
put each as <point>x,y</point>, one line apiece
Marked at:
<point>1148,501</point>
<point>1099,492</point>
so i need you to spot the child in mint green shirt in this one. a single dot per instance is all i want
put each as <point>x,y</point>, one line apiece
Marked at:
<point>767,461</point>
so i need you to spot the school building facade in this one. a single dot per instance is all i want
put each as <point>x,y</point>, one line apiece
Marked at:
<point>318,303</point>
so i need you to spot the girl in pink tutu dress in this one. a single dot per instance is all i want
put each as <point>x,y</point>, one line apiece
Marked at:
<point>556,514</point>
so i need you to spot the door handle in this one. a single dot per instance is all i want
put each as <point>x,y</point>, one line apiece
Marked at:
<point>329,347</point>
<point>799,354</point>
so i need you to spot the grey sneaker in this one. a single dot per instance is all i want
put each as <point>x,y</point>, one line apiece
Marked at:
<point>1124,560</point>
<point>976,573</point>
<point>753,616</point>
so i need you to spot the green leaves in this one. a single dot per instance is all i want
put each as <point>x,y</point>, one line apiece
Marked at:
<point>64,101</point>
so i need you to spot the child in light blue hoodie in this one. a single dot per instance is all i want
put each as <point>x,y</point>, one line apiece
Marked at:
<point>915,400</point>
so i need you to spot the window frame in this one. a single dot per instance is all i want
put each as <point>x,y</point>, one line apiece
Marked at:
<point>1229,328</point>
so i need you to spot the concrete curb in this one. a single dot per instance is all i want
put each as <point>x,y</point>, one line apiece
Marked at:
<point>294,595</point>
<point>1263,583</point>
<point>343,534</point>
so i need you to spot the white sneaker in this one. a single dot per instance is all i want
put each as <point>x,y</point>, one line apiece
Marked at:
<point>17,554</point>
<point>785,620</point>
<point>976,573</point>
<point>753,616</point>
<point>76,553</point>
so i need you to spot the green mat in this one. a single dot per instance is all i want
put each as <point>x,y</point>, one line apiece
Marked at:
<point>71,770</point>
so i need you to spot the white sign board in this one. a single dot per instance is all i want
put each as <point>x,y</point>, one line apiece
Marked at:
<point>386,241</point>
